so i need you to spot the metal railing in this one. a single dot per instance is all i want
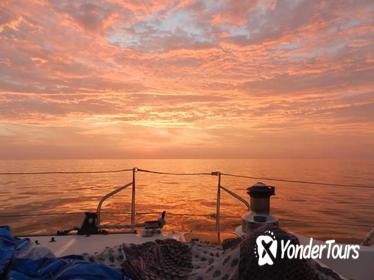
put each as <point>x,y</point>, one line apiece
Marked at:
<point>133,223</point>
<point>219,174</point>
<point>108,195</point>
<point>117,190</point>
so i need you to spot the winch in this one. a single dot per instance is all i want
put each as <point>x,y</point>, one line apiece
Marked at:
<point>259,215</point>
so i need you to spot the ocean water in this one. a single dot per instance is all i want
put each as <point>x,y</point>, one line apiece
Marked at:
<point>38,204</point>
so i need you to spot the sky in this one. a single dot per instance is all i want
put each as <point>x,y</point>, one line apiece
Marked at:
<point>186,79</point>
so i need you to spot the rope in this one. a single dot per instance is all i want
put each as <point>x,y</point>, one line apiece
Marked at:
<point>298,181</point>
<point>177,174</point>
<point>189,174</point>
<point>66,172</point>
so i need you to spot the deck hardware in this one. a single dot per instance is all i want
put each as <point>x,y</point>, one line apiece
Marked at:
<point>259,215</point>
<point>90,225</point>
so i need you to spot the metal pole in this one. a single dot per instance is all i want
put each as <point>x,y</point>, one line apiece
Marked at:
<point>105,197</point>
<point>218,209</point>
<point>133,196</point>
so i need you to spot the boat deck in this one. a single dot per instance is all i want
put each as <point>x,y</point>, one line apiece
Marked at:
<point>63,245</point>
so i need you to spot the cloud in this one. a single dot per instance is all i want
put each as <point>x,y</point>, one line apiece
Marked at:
<point>313,83</point>
<point>186,78</point>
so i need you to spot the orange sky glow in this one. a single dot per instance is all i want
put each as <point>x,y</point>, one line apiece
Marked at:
<point>186,79</point>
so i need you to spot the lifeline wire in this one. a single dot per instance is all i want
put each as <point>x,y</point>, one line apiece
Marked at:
<point>215,173</point>
<point>66,172</point>
<point>172,173</point>
<point>297,181</point>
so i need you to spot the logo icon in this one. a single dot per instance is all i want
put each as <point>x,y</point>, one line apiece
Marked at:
<point>266,246</point>
<point>266,249</point>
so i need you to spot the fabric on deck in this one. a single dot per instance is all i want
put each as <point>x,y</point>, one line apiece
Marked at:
<point>171,259</point>
<point>20,260</point>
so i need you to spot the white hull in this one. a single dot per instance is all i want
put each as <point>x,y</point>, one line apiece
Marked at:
<point>64,245</point>
<point>359,269</point>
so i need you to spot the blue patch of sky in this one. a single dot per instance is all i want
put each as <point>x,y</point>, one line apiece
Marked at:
<point>124,40</point>
<point>181,21</point>
<point>287,46</point>
<point>349,24</point>
<point>238,31</point>
<point>179,24</point>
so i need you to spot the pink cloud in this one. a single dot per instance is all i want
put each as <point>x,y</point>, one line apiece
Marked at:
<point>196,74</point>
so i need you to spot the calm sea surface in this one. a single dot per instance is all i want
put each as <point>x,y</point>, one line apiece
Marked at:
<point>33,204</point>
